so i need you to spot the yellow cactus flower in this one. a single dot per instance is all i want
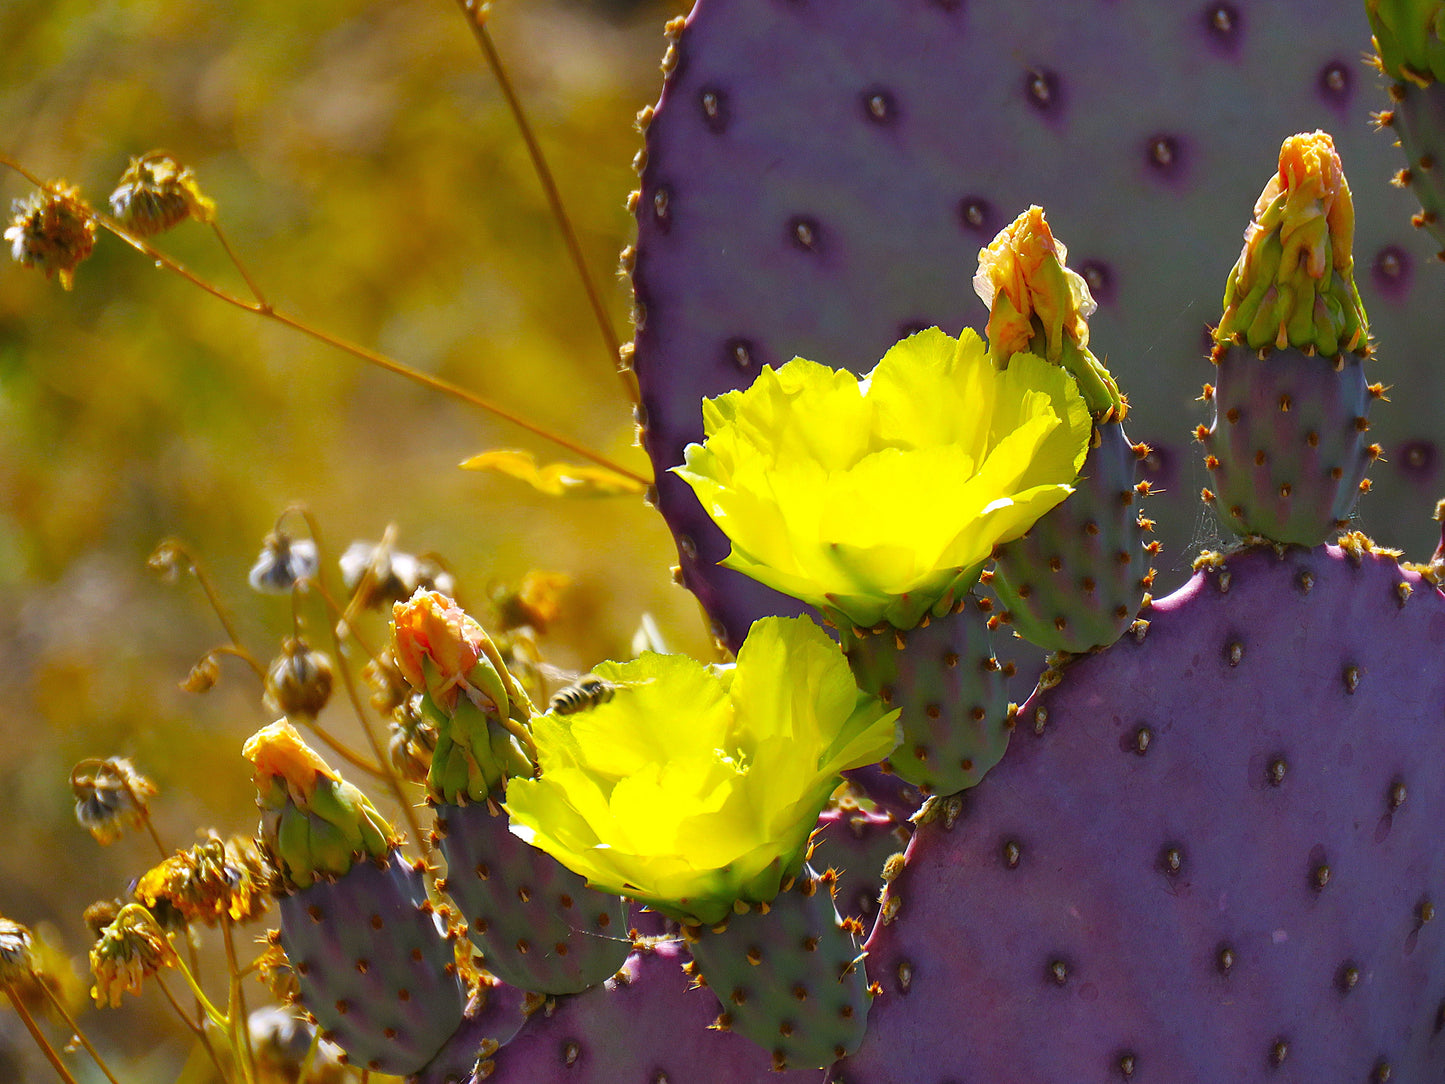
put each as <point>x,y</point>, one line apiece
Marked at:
<point>881,499</point>
<point>695,787</point>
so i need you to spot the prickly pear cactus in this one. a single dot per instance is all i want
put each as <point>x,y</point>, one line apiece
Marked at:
<point>950,690</point>
<point>1287,452</point>
<point>536,924</point>
<point>647,1025</point>
<point>788,976</point>
<point>372,956</point>
<point>1210,854</point>
<point>1410,43</point>
<point>819,178</point>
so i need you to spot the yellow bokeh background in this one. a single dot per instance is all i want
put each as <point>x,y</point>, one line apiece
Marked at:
<point>370,176</point>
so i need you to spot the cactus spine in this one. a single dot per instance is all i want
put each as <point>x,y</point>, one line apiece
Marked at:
<point>536,924</point>
<point>372,956</point>
<point>1075,581</point>
<point>1287,449</point>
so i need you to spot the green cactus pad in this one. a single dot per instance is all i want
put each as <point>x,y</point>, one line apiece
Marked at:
<point>536,923</point>
<point>1408,38</point>
<point>1417,118</point>
<point>791,978</point>
<point>1076,580</point>
<point>951,691</point>
<point>1287,452</point>
<point>374,964</point>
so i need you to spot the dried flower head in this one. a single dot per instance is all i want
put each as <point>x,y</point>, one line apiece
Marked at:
<point>284,562</point>
<point>213,879</point>
<point>101,914</point>
<point>156,192</point>
<point>299,680</point>
<point>110,797</point>
<point>130,949</point>
<point>169,560</point>
<point>53,230</point>
<point>16,960</point>
<point>204,675</point>
<point>274,969</point>
<point>385,577</point>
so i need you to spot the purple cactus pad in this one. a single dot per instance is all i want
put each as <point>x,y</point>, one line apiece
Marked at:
<point>1212,853</point>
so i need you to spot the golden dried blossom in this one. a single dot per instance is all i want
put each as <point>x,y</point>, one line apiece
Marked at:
<point>53,230</point>
<point>204,675</point>
<point>110,797</point>
<point>156,192</point>
<point>536,602</point>
<point>130,949</point>
<point>101,914</point>
<point>210,880</point>
<point>273,967</point>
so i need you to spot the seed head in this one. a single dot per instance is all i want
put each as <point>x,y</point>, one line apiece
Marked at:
<point>16,958</point>
<point>299,680</point>
<point>284,562</point>
<point>215,878</point>
<point>385,577</point>
<point>156,192</point>
<point>110,797</point>
<point>53,230</point>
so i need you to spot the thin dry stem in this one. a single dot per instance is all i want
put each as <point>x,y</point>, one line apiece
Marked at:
<point>64,1013</point>
<point>386,772</point>
<point>236,1013</point>
<point>476,16</point>
<point>382,361</point>
<point>39,1036</point>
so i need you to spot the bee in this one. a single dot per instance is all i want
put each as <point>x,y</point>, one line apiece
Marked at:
<point>583,694</point>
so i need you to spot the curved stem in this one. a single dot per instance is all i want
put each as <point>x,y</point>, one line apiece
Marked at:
<point>195,1028</point>
<point>236,260</point>
<point>198,570</point>
<point>387,772</point>
<point>39,1036</point>
<point>240,1031</point>
<point>380,360</point>
<point>476,16</point>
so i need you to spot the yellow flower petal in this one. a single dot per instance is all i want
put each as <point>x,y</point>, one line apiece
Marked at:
<point>555,479</point>
<point>693,787</point>
<point>872,497</point>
